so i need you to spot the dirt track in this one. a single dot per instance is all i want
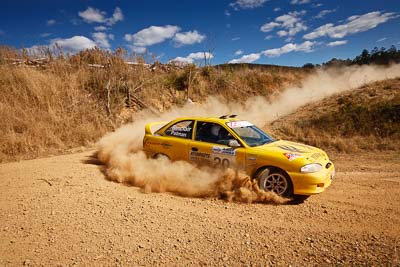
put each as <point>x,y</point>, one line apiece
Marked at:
<point>62,211</point>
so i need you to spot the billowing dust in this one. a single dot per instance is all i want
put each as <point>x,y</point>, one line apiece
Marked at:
<point>185,179</point>
<point>121,151</point>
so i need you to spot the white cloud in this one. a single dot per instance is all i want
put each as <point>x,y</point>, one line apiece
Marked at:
<point>91,15</point>
<point>192,57</point>
<point>382,39</point>
<point>139,50</point>
<point>102,39</point>
<point>337,43</point>
<point>317,5</point>
<point>227,13</point>
<point>235,38</point>
<point>46,34</point>
<point>101,28</point>
<point>73,44</point>
<point>247,4</point>
<point>276,9</point>
<point>152,35</point>
<point>117,16</point>
<point>290,24</point>
<point>324,12</point>
<point>238,52</point>
<point>300,2</point>
<point>307,46</point>
<point>51,22</point>
<point>268,37</point>
<point>355,24</point>
<point>267,27</point>
<point>246,58</point>
<point>188,38</point>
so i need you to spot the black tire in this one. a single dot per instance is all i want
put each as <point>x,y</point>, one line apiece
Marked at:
<point>276,180</point>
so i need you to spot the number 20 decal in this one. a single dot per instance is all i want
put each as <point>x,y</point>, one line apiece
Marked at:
<point>224,163</point>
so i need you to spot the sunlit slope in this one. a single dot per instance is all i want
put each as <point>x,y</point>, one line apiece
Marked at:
<point>365,118</point>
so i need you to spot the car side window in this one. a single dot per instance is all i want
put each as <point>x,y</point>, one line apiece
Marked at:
<point>212,133</point>
<point>182,129</point>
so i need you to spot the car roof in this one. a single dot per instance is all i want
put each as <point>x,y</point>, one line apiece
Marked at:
<point>222,119</point>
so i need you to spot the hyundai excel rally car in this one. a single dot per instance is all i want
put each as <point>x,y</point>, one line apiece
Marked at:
<point>286,168</point>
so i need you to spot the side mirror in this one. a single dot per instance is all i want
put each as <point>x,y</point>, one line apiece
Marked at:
<point>233,143</point>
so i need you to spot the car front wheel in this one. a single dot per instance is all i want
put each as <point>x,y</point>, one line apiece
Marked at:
<point>276,181</point>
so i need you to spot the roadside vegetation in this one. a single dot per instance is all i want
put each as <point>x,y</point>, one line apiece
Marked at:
<point>53,103</point>
<point>367,118</point>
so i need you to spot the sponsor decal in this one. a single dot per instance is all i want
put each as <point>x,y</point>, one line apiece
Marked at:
<point>291,148</point>
<point>224,150</point>
<point>178,131</point>
<point>152,143</point>
<point>195,154</point>
<point>238,124</point>
<point>181,129</point>
<point>200,158</point>
<point>179,134</point>
<point>292,156</point>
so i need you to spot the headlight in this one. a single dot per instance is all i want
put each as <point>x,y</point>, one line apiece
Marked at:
<point>313,167</point>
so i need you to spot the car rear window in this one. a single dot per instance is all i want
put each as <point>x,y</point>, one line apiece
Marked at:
<point>182,129</point>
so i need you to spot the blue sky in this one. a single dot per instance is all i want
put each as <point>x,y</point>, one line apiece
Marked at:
<point>282,32</point>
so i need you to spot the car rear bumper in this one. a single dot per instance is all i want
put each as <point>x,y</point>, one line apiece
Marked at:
<point>312,183</point>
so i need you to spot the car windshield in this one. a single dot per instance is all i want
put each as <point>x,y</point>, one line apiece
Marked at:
<point>250,134</point>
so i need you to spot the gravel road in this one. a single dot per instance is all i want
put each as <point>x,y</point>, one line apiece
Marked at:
<point>61,211</point>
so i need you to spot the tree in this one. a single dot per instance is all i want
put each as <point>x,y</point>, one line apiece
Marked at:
<point>308,66</point>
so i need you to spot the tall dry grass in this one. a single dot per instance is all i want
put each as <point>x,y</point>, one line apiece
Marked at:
<point>46,112</point>
<point>65,103</point>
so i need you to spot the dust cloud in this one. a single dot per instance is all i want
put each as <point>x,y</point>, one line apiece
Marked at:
<point>121,151</point>
<point>184,179</point>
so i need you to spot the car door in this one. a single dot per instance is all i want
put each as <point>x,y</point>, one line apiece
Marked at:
<point>210,147</point>
<point>176,140</point>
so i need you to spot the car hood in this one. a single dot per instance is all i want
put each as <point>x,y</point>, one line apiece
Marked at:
<point>293,150</point>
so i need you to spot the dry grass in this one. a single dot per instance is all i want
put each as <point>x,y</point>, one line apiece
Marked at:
<point>364,119</point>
<point>46,112</point>
<point>65,103</point>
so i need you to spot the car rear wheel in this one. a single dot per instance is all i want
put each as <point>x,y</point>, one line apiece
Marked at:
<point>276,181</point>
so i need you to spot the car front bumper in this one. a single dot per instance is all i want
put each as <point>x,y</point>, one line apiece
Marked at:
<point>312,183</point>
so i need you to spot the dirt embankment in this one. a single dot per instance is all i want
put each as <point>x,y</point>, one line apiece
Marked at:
<point>62,211</point>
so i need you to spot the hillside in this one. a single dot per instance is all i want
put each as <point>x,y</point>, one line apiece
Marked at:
<point>365,118</point>
<point>58,103</point>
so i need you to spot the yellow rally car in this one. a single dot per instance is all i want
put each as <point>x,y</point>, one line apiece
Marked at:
<point>287,168</point>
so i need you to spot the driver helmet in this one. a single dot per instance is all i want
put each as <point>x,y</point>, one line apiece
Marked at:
<point>215,130</point>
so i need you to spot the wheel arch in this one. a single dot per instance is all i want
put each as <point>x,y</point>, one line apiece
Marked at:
<point>272,168</point>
